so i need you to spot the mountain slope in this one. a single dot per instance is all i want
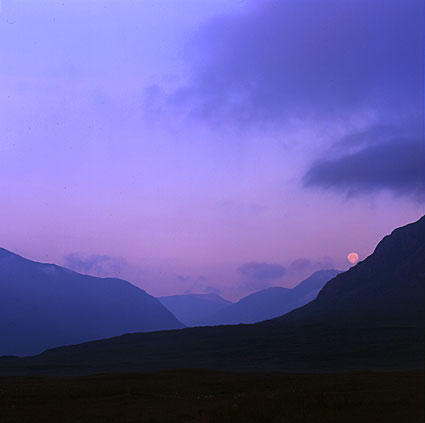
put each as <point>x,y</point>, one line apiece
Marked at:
<point>44,305</point>
<point>332,333</point>
<point>387,288</point>
<point>193,309</point>
<point>272,302</point>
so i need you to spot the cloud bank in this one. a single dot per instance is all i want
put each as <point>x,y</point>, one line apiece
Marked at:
<point>281,59</point>
<point>317,62</point>
<point>397,165</point>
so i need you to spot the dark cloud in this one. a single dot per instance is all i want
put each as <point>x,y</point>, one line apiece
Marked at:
<point>277,59</point>
<point>99,265</point>
<point>260,275</point>
<point>319,61</point>
<point>397,165</point>
<point>304,264</point>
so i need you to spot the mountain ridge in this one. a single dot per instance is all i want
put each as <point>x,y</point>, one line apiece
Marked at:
<point>271,302</point>
<point>296,342</point>
<point>193,309</point>
<point>44,305</point>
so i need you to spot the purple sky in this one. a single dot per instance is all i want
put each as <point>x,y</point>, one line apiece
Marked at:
<point>209,146</point>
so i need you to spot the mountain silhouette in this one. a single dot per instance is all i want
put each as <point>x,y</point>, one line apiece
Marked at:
<point>44,305</point>
<point>193,309</point>
<point>368,318</point>
<point>387,288</point>
<point>271,302</point>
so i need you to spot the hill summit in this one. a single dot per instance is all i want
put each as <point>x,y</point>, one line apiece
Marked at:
<point>44,305</point>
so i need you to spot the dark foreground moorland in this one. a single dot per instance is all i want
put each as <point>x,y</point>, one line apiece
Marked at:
<point>354,354</point>
<point>201,396</point>
<point>264,347</point>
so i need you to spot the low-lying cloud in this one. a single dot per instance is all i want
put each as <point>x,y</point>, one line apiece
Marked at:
<point>98,265</point>
<point>305,264</point>
<point>260,275</point>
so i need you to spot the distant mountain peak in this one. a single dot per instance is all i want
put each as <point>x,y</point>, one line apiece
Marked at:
<point>210,296</point>
<point>271,302</point>
<point>193,309</point>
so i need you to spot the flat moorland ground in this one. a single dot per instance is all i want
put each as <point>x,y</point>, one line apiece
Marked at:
<point>204,396</point>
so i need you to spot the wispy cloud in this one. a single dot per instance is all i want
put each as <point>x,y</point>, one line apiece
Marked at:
<point>99,265</point>
<point>305,264</point>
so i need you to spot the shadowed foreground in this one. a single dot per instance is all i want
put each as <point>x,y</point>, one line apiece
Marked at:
<point>197,396</point>
<point>265,347</point>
